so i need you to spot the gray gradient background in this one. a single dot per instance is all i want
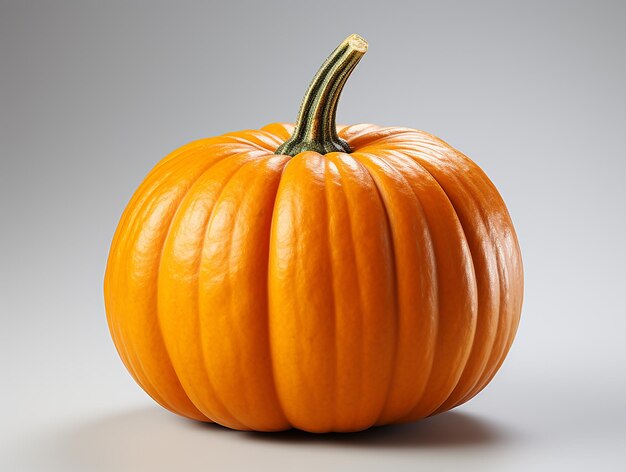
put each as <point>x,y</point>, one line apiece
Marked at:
<point>93,94</point>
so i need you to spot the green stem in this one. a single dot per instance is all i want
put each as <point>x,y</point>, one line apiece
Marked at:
<point>315,128</point>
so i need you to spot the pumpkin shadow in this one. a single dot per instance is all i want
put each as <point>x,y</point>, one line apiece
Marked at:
<point>149,439</point>
<point>447,430</point>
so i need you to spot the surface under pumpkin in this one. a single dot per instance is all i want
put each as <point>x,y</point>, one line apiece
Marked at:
<point>328,281</point>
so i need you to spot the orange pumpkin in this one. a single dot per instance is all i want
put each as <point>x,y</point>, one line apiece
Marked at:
<point>322,278</point>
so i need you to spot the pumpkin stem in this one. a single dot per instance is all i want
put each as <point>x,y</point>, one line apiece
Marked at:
<point>316,129</point>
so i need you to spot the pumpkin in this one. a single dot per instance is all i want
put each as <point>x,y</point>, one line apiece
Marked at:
<point>313,276</point>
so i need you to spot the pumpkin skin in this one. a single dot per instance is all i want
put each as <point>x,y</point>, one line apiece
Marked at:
<point>325,292</point>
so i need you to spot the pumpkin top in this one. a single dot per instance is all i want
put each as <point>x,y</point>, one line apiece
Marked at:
<point>316,128</point>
